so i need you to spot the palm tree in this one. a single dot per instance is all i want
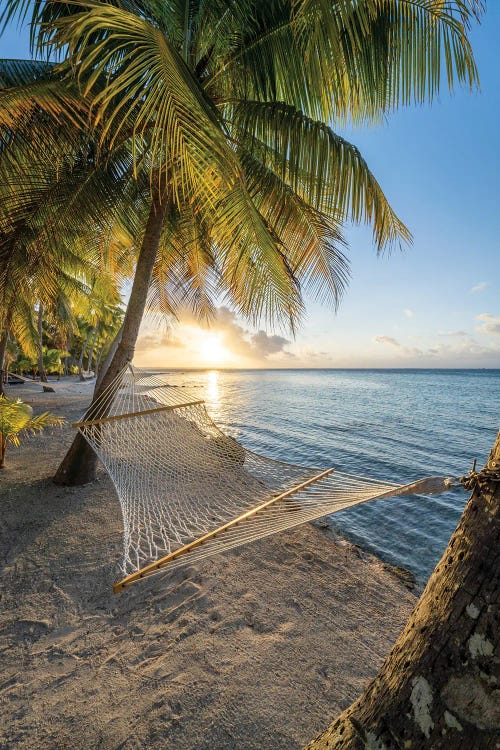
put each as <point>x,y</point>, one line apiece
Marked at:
<point>17,421</point>
<point>49,251</point>
<point>52,360</point>
<point>228,106</point>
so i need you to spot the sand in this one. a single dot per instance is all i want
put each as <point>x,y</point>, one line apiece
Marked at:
<point>259,648</point>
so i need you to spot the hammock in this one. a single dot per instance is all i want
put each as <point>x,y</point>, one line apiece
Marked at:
<point>188,491</point>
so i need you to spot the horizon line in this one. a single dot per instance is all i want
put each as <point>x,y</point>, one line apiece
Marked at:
<point>302,369</point>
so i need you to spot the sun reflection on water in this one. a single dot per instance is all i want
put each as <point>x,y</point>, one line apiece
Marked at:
<point>213,392</point>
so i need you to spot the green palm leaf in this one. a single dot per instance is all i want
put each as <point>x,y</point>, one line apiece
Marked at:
<point>325,169</point>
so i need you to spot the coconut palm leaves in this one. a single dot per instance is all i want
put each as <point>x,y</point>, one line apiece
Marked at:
<point>219,102</point>
<point>17,421</point>
<point>210,90</point>
<point>334,59</point>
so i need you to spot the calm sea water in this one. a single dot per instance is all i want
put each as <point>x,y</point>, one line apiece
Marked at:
<point>399,425</point>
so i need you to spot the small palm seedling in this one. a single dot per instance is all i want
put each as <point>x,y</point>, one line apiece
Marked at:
<point>17,421</point>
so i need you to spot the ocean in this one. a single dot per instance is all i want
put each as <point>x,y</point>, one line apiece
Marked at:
<point>399,425</point>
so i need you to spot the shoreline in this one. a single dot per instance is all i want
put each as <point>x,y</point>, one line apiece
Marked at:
<point>257,648</point>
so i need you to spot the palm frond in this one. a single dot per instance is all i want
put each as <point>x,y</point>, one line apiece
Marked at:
<point>322,167</point>
<point>148,82</point>
<point>312,242</point>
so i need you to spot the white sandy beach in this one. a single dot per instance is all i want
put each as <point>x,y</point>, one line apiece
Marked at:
<point>256,649</point>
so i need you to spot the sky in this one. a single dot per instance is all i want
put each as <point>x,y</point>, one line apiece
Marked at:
<point>435,304</point>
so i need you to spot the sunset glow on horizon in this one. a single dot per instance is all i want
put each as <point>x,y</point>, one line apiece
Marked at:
<point>212,349</point>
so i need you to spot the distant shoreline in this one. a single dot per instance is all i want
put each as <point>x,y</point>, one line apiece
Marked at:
<point>318,369</point>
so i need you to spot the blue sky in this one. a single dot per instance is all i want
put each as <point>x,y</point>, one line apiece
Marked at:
<point>436,304</point>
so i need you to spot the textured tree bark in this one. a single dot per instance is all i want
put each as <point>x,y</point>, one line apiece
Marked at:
<point>439,688</point>
<point>81,358</point>
<point>98,362</point>
<point>90,355</point>
<point>4,340</point>
<point>109,357</point>
<point>41,369</point>
<point>80,463</point>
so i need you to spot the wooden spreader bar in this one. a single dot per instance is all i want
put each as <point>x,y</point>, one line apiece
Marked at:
<point>135,414</point>
<point>154,567</point>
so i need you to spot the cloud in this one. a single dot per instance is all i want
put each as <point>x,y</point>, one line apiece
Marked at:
<point>240,341</point>
<point>409,351</point>
<point>491,324</point>
<point>409,313</point>
<point>149,341</point>
<point>185,342</point>
<point>453,334</point>
<point>458,349</point>
<point>388,341</point>
<point>263,344</point>
<point>479,287</point>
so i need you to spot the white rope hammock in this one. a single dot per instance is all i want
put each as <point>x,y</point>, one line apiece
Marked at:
<point>188,491</point>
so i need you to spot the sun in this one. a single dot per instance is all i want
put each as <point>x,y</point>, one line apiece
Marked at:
<point>212,349</point>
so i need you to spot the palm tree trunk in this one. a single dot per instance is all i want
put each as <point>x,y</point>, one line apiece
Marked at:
<point>92,347</point>
<point>81,358</point>
<point>3,449</point>
<point>4,340</point>
<point>438,687</point>
<point>109,356</point>
<point>41,370</point>
<point>98,361</point>
<point>80,463</point>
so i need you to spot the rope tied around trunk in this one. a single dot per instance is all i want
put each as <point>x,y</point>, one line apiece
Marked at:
<point>478,480</point>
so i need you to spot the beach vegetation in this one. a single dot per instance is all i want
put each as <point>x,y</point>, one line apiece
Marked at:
<point>17,422</point>
<point>52,363</point>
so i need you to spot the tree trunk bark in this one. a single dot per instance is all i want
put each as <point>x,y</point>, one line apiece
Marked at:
<point>65,360</point>
<point>109,357</point>
<point>3,449</point>
<point>81,358</point>
<point>440,685</point>
<point>92,347</point>
<point>41,369</point>
<point>80,463</point>
<point>98,362</point>
<point>4,340</point>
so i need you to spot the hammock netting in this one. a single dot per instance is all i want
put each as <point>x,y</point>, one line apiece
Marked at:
<point>189,491</point>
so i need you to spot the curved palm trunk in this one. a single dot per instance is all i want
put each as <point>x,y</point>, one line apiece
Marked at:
<point>41,369</point>
<point>79,464</point>
<point>3,372</point>
<point>109,356</point>
<point>67,347</point>
<point>438,687</point>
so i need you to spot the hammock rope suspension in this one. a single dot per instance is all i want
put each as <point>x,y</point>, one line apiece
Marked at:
<point>188,491</point>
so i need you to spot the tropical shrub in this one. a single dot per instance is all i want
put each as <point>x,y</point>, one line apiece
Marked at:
<point>17,422</point>
<point>52,361</point>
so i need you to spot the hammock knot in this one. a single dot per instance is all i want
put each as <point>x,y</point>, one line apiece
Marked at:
<point>480,480</point>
